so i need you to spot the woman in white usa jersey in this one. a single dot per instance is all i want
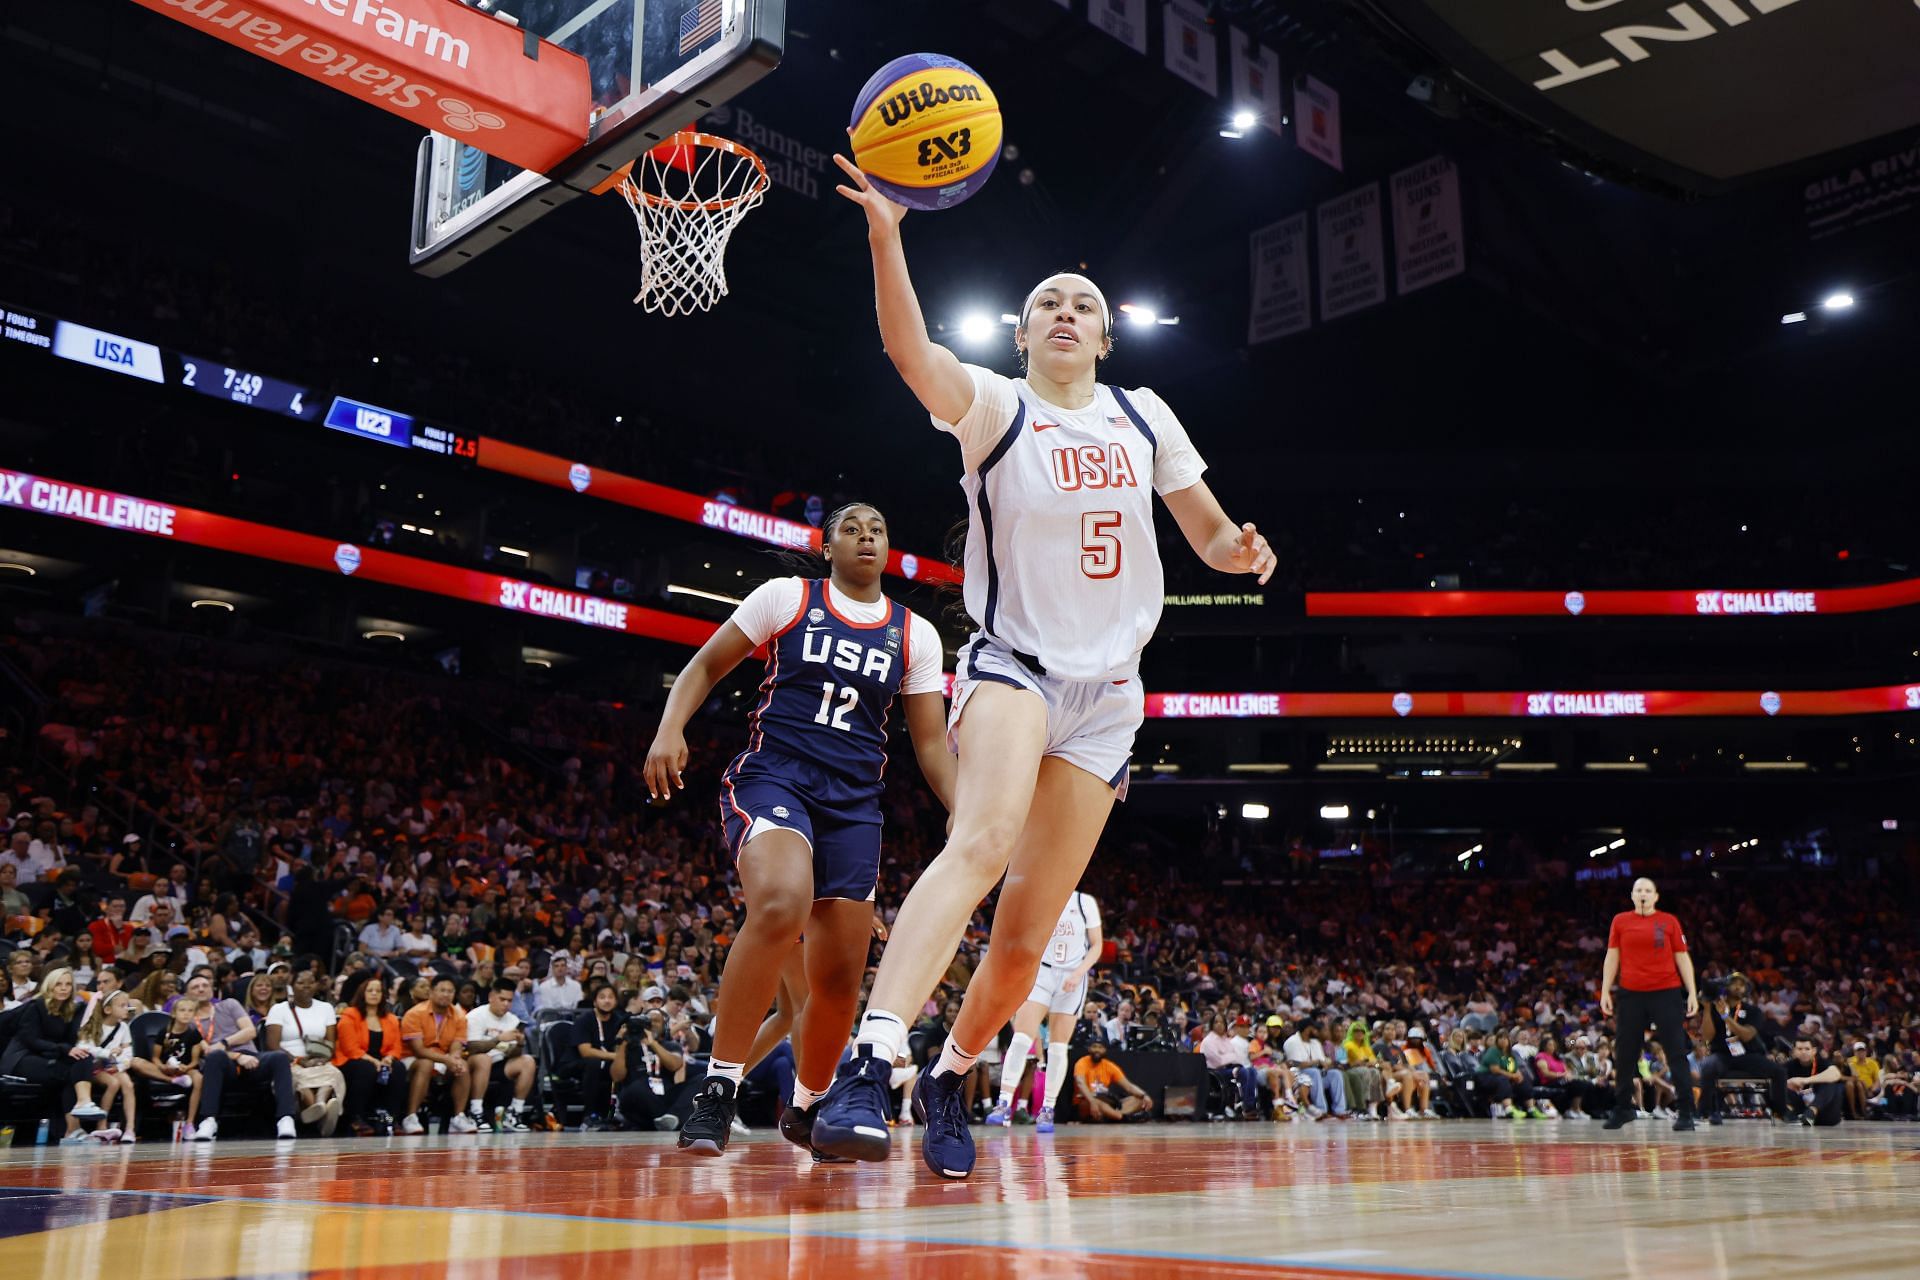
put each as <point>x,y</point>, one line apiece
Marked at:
<point>1063,583</point>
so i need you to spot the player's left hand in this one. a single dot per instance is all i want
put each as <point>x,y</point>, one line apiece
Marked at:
<point>1693,1005</point>
<point>1251,554</point>
<point>1069,982</point>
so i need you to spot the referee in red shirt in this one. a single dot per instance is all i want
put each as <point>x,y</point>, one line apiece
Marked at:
<point>1647,956</point>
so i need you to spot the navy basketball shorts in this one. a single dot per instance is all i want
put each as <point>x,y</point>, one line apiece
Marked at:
<point>764,790</point>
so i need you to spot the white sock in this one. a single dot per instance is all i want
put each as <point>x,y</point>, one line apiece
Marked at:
<point>477,1106</point>
<point>804,1097</point>
<point>1056,1069</point>
<point>884,1033</point>
<point>517,1105</point>
<point>955,1059</point>
<point>1013,1067</point>
<point>734,1071</point>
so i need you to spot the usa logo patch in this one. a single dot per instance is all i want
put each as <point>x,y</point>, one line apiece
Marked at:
<point>816,615</point>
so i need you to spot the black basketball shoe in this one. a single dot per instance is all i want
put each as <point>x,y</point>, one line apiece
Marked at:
<point>706,1131</point>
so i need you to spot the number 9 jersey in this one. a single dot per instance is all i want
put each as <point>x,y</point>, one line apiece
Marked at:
<point>1061,561</point>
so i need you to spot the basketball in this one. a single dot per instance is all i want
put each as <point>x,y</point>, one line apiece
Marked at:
<point>926,130</point>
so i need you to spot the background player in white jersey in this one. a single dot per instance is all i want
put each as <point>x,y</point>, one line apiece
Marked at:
<point>1059,993</point>
<point>1064,586</point>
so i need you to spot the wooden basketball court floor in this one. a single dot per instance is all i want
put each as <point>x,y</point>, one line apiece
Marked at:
<point>1458,1199</point>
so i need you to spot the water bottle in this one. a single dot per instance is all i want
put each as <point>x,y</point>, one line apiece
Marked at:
<point>46,1130</point>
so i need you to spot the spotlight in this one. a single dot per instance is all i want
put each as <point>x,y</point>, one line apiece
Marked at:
<point>1334,812</point>
<point>1253,811</point>
<point>1244,120</point>
<point>975,328</point>
<point>1138,314</point>
<point>1793,317</point>
<point>1232,133</point>
<point>1838,301</point>
<point>213,604</point>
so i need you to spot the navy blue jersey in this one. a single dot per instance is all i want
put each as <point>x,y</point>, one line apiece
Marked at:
<point>830,683</point>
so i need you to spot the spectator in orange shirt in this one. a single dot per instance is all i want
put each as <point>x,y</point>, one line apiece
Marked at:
<point>1102,1091</point>
<point>435,1035</point>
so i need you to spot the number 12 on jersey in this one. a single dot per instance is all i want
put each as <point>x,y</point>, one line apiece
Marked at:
<point>849,699</point>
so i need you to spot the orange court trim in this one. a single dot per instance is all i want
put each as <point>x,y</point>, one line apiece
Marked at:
<point>437,63</point>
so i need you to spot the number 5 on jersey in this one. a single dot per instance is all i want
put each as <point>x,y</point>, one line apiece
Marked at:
<point>849,699</point>
<point>1100,544</point>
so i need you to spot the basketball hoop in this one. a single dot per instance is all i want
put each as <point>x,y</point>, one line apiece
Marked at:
<point>687,196</point>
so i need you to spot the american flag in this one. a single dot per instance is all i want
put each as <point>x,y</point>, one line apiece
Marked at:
<point>699,23</point>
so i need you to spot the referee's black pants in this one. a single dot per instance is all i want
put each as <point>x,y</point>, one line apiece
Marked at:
<point>1666,1012</point>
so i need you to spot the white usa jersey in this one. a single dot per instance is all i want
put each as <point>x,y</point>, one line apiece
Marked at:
<point>1073,932</point>
<point>1061,560</point>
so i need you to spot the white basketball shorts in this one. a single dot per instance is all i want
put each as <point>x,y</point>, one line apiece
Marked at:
<point>1090,723</point>
<point>1048,989</point>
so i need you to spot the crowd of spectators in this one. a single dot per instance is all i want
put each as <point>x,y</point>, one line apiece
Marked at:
<point>340,896</point>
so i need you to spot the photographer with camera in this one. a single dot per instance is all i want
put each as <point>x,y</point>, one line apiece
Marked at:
<point>643,1068</point>
<point>1737,1048</point>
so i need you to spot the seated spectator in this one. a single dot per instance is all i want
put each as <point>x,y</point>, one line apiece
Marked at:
<point>234,1060</point>
<point>497,1040</point>
<point>1366,1087</point>
<point>44,1047</point>
<point>434,1033</point>
<point>112,930</point>
<point>1228,1058</point>
<point>382,939</point>
<point>303,1028</point>
<point>1326,1087</point>
<point>21,986</point>
<point>1498,1080</point>
<point>108,1041</point>
<point>597,1031</point>
<point>1102,1092</point>
<point>1119,1028</point>
<point>14,907</point>
<point>174,1057</point>
<point>1415,1062</point>
<point>1814,1092</point>
<point>173,889</point>
<point>558,990</point>
<point>368,1050</point>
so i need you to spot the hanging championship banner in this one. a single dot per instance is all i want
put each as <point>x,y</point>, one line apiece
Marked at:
<point>1353,269</point>
<point>1316,114</point>
<point>1124,20</point>
<point>1191,54</point>
<point>1280,305</point>
<point>1256,78</point>
<point>1427,243</point>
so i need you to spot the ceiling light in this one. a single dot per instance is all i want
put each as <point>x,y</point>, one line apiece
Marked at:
<point>1244,120</point>
<point>14,566</point>
<point>975,328</point>
<point>1008,317</point>
<point>1232,133</point>
<point>1139,314</point>
<point>515,551</point>
<point>1838,301</point>
<point>214,604</point>
<point>1793,317</point>
<point>539,662</point>
<point>1253,811</point>
<point>675,589</point>
<point>1334,812</point>
<point>382,634</point>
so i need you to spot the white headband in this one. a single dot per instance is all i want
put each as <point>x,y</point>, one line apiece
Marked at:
<point>1106,314</point>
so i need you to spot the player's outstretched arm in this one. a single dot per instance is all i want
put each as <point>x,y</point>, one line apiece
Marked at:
<point>931,372</point>
<point>723,651</point>
<point>1222,544</point>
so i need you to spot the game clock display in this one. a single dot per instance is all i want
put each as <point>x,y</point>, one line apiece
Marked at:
<point>242,386</point>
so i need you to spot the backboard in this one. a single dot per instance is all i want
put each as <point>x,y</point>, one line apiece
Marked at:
<point>656,66</point>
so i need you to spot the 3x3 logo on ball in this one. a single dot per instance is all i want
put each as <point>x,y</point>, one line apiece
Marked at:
<point>937,150</point>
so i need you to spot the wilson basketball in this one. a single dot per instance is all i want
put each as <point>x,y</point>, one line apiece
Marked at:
<point>926,130</point>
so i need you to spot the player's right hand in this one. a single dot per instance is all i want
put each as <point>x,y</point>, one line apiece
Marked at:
<point>1606,1004</point>
<point>666,758</point>
<point>883,214</point>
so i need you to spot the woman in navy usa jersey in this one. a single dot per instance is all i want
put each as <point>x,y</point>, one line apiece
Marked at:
<point>801,805</point>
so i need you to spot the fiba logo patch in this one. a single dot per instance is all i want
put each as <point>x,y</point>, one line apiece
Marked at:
<point>893,637</point>
<point>579,475</point>
<point>462,118</point>
<point>779,811</point>
<point>816,615</point>
<point>1403,704</point>
<point>1575,603</point>
<point>1770,703</point>
<point>910,565</point>
<point>347,557</point>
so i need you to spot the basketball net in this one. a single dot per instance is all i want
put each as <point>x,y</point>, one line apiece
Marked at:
<point>687,196</point>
